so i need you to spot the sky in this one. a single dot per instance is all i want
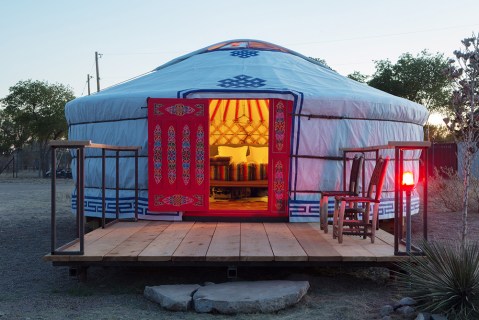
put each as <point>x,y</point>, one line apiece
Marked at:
<point>56,40</point>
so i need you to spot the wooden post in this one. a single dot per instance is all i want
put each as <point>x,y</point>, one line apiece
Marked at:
<point>97,73</point>
<point>88,77</point>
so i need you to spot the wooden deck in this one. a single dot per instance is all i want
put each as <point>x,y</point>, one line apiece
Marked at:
<point>150,242</point>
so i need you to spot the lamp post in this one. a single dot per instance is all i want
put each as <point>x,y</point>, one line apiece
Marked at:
<point>407,184</point>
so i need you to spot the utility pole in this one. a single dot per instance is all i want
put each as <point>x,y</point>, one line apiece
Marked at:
<point>97,71</point>
<point>88,77</point>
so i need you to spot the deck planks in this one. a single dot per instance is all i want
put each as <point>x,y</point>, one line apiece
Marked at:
<point>313,243</point>
<point>129,249</point>
<point>225,245</point>
<point>283,243</point>
<point>90,238</point>
<point>166,243</point>
<point>354,248</point>
<point>151,241</point>
<point>255,245</point>
<point>196,243</point>
<point>381,251</point>
<point>96,249</point>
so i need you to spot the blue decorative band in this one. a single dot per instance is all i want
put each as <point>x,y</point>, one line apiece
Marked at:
<point>126,207</point>
<point>310,209</point>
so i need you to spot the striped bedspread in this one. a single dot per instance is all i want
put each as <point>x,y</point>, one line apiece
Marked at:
<point>239,172</point>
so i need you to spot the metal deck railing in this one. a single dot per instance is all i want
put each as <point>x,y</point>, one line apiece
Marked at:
<point>402,219</point>
<point>80,146</point>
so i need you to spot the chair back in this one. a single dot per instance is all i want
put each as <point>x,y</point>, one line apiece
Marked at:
<point>377,178</point>
<point>356,169</point>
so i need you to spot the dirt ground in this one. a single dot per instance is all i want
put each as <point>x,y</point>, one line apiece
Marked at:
<point>34,289</point>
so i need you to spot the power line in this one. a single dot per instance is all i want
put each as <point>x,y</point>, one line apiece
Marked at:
<point>86,82</point>
<point>313,42</point>
<point>142,53</point>
<point>84,86</point>
<point>135,77</point>
<point>383,35</point>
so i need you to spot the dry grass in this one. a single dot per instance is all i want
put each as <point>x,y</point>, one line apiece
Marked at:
<point>446,188</point>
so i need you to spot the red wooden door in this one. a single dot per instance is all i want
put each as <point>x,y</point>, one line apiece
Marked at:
<point>178,151</point>
<point>279,146</point>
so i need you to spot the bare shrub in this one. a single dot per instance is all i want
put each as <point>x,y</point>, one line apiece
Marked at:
<point>446,189</point>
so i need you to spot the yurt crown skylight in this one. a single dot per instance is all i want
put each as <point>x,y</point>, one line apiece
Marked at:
<point>246,44</point>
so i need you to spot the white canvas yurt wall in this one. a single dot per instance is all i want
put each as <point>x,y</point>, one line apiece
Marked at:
<point>330,112</point>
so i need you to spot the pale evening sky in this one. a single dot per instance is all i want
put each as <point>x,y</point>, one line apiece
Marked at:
<point>55,40</point>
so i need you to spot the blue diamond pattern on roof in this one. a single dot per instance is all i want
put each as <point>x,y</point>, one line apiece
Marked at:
<point>242,81</point>
<point>244,53</point>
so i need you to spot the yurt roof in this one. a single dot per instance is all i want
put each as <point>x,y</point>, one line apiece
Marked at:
<point>241,68</point>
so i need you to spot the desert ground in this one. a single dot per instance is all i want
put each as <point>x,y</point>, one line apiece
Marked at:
<point>34,289</point>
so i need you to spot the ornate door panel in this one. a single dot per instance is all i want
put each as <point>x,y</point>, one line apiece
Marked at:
<point>279,146</point>
<point>178,155</point>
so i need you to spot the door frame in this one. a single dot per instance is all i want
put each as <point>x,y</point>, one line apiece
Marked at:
<point>240,215</point>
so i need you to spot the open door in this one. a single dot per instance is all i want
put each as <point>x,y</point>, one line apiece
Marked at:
<point>178,155</point>
<point>279,146</point>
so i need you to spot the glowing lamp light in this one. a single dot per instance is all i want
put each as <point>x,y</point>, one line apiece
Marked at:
<point>407,180</point>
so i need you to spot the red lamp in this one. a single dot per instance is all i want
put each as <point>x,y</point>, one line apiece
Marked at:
<point>407,182</point>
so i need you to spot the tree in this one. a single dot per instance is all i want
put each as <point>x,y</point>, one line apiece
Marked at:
<point>358,76</point>
<point>13,134</point>
<point>6,142</point>
<point>417,78</point>
<point>323,62</point>
<point>464,121</point>
<point>33,111</point>
<point>438,133</point>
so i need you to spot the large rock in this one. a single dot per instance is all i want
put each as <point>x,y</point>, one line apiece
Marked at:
<point>406,311</point>
<point>407,301</point>
<point>386,310</point>
<point>172,297</point>
<point>249,296</point>
<point>423,316</point>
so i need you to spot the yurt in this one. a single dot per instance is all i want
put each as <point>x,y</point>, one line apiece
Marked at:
<point>240,130</point>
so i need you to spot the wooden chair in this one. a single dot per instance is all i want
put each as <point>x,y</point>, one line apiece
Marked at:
<point>354,175</point>
<point>350,224</point>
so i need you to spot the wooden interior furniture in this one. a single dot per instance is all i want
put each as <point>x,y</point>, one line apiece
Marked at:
<point>354,175</point>
<point>352,225</point>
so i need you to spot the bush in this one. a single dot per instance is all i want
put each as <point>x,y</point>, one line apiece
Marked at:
<point>445,281</point>
<point>446,188</point>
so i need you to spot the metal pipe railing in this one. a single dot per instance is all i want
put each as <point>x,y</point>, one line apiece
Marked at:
<point>80,187</point>
<point>399,148</point>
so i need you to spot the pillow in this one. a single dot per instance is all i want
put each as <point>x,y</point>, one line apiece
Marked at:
<point>259,154</point>
<point>237,154</point>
